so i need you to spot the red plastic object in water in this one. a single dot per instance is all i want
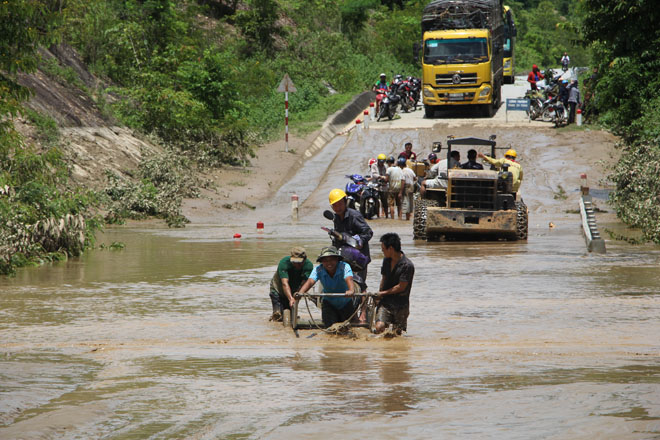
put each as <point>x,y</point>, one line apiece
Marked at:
<point>237,235</point>
<point>260,225</point>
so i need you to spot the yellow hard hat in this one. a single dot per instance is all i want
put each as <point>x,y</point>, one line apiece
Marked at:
<point>511,153</point>
<point>381,156</point>
<point>336,195</point>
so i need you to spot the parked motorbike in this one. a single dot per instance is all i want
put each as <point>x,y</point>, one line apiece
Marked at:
<point>554,111</point>
<point>535,103</point>
<point>415,90</point>
<point>405,92</point>
<point>370,200</point>
<point>354,189</point>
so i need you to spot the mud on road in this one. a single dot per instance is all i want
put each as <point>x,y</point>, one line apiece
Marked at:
<point>169,338</point>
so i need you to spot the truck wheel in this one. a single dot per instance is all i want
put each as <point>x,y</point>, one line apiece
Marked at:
<point>521,220</point>
<point>429,112</point>
<point>487,110</point>
<point>419,216</point>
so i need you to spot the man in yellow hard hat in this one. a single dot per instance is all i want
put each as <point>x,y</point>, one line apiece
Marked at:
<point>379,175</point>
<point>350,221</point>
<point>514,167</point>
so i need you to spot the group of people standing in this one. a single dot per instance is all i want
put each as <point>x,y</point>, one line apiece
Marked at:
<point>396,182</point>
<point>569,93</point>
<point>296,275</point>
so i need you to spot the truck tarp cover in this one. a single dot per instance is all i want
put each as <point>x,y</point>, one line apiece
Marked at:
<point>462,14</point>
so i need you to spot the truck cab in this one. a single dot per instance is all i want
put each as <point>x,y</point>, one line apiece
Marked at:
<point>457,68</point>
<point>462,53</point>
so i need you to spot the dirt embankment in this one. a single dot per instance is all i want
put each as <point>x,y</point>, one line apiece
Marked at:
<point>90,141</point>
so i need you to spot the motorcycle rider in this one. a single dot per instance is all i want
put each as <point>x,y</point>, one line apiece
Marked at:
<point>565,61</point>
<point>351,222</point>
<point>382,84</point>
<point>534,76</point>
<point>379,175</point>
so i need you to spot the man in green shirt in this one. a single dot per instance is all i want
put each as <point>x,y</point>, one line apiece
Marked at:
<point>291,273</point>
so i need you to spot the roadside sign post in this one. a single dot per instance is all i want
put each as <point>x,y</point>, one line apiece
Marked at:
<point>286,86</point>
<point>517,104</point>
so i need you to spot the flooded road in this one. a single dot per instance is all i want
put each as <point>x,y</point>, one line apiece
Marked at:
<point>169,338</point>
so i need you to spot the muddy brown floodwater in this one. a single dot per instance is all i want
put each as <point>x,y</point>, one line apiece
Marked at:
<point>169,338</point>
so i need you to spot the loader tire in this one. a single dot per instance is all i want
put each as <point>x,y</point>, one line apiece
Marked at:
<point>419,216</point>
<point>522,220</point>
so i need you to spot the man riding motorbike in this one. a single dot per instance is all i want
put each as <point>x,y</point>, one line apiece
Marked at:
<point>350,221</point>
<point>565,61</point>
<point>381,88</point>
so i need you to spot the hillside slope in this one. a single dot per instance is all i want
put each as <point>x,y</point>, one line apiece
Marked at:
<point>90,141</point>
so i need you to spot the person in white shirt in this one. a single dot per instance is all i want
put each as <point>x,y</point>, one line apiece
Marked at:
<point>409,180</point>
<point>395,183</point>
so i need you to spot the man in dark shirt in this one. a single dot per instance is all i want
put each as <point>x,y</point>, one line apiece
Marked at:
<point>407,152</point>
<point>394,293</point>
<point>472,163</point>
<point>350,221</point>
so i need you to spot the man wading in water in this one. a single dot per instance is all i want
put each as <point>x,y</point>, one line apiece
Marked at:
<point>291,273</point>
<point>394,294</point>
<point>336,276</point>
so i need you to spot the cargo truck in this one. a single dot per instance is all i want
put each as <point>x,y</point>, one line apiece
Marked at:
<point>509,46</point>
<point>462,54</point>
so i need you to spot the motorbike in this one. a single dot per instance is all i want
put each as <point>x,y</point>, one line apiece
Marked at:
<point>354,189</point>
<point>380,95</point>
<point>535,103</point>
<point>370,200</point>
<point>404,90</point>
<point>347,246</point>
<point>388,105</point>
<point>554,111</point>
<point>564,65</point>
<point>415,90</point>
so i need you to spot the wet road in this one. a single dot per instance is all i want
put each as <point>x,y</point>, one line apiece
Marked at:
<point>169,338</point>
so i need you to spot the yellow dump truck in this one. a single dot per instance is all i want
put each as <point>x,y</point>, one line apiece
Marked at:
<point>462,55</point>
<point>509,46</point>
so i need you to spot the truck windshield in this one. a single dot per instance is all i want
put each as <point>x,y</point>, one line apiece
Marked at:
<point>460,50</point>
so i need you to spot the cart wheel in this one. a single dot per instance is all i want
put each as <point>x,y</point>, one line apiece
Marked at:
<point>286,317</point>
<point>371,313</point>
<point>294,315</point>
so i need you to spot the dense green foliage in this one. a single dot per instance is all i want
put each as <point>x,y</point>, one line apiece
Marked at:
<point>40,218</point>
<point>626,39</point>
<point>547,29</point>
<point>209,86</point>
